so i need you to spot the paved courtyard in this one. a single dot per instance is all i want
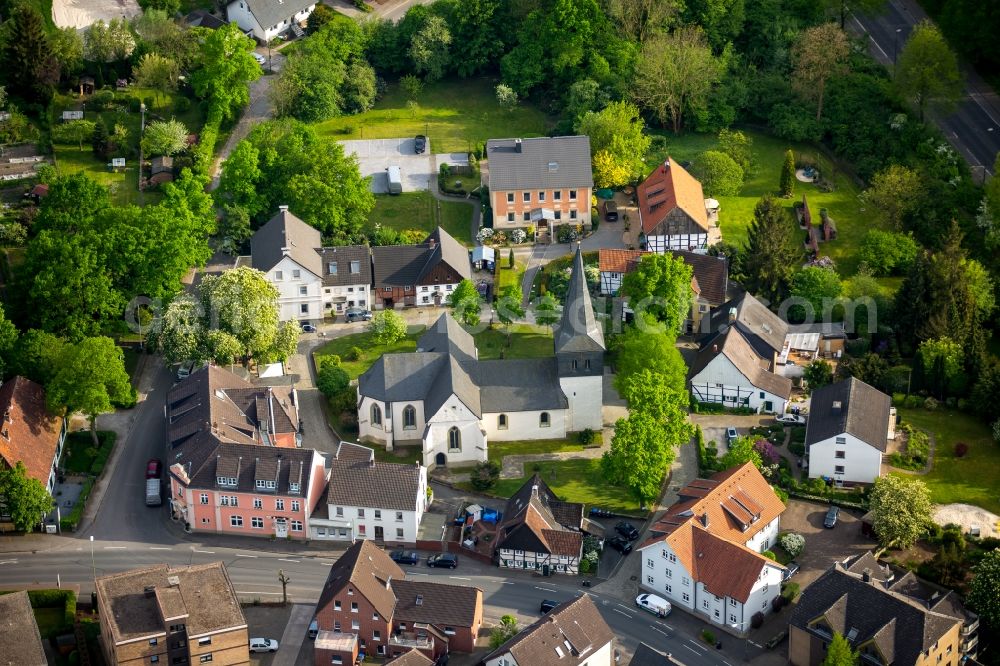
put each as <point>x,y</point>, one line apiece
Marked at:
<point>419,172</point>
<point>823,546</point>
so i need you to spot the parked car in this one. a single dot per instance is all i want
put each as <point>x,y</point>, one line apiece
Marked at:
<point>547,605</point>
<point>791,419</point>
<point>259,58</point>
<point>308,328</point>
<point>731,434</point>
<point>357,314</point>
<point>610,211</point>
<point>263,645</point>
<point>154,468</point>
<point>313,629</point>
<point>405,557</point>
<point>791,569</point>
<point>627,530</point>
<point>185,369</point>
<point>831,517</point>
<point>651,603</point>
<point>419,144</point>
<point>443,561</point>
<point>621,544</point>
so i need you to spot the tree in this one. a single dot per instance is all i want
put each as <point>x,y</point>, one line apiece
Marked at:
<point>74,131</point>
<point>386,327</point>
<point>819,54</point>
<point>901,509</point>
<point>25,498</point>
<point>226,67</point>
<point>164,137</point>
<point>546,311</point>
<point>8,342</point>
<point>510,259</point>
<point>772,252</point>
<point>927,69</point>
<point>675,75</point>
<point>506,97</point>
<point>617,143</point>
<point>221,347</point>
<point>100,140</point>
<point>91,379</point>
<point>647,347</point>
<point>887,252</point>
<point>818,374</point>
<point>29,66</point>
<point>819,288</point>
<point>412,86</point>
<point>720,175</point>
<point>179,333</point>
<point>839,653</point>
<point>893,194</point>
<point>234,228</point>
<point>788,174</point>
<point>36,356</point>
<point>984,590</point>
<point>243,303</point>
<point>661,286</point>
<point>108,42</point>
<point>331,379</point>
<point>939,366</point>
<point>658,396</point>
<point>320,16</point>
<point>485,475</point>
<point>503,632</point>
<point>157,72</point>
<point>639,456</point>
<point>741,451</point>
<point>739,147</point>
<point>466,303</point>
<point>641,19</point>
<point>509,306</point>
<point>722,20</point>
<point>67,48</point>
<point>359,90</point>
<point>429,48</point>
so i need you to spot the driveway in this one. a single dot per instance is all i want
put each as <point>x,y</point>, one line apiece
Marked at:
<point>823,546</point>
<point>419,171</point>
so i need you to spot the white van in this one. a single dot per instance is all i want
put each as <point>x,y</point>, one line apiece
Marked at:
<point>395,179</point>
<point>185,369</point>
<point>651,603</point>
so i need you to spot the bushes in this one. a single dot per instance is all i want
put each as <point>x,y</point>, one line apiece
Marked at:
<point>586,436</point>
<point>917,451</point>
<point>797,448</point>
<point>793,544</point>
<point>757,620</point>
<point>789,591</point>
<point>65,599</point>
<point>961,448</point>
<point>331,379</point>
<point>69,523</point>
<point>354,354</point>
<point>708,637</point>
<point>485,475</point>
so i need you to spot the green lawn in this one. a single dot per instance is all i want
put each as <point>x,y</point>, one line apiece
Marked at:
<point>973,479</point>
<point>737,212</point>
<point>78,456</point>
<point>370,350</point>
<point>498,450</point>
<point>526,341</point>
<point>508,276</point>
<point>455,116</point>
<point>50,620</point>
<point>578,480</point>
<point>419,210</point>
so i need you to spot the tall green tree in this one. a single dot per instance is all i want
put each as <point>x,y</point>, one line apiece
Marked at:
<point>157,72</point>
<point>547,311</point>
<point>504,631</point>
<point>894,193</point>
<point>984,590</point>
<point>25,497</point>
<point>772,252</point>
<point>819,54</point>
<point>387,327</point>
<point>429,48</point>
<point>640,20</point>
<point>787,184</point>
<point>640,455</point>
<point>927,69</point>
<point>818,374</point>
<point>647,346</point>
<point>466,303</point>
<point>91,379</point>
<point>479,27</point>
<point>164,137</point>
<point>839,652</point>
<point>740,452</point>
<point>29,65</point>
<point>36,355</point>
<point>719,173</point>
<point>108,42</point>
<point>654,394</point>
<point>901,509</point>
<point>225,69</point>
<point>661,286</point>
<point>243,303</point>
<point>178,333</point>
<point>818,287</point>
<point>509,306</point>
<point>617,143</point>
<point>8,342</point>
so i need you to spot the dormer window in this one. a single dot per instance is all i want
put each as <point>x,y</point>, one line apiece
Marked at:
<point>332,267</point>
<point>355,267</point>
<point>226,480</point>
<point>293,487</point>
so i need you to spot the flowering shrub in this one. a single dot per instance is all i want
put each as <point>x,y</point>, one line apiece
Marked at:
<point>517,236</point>
<point>499,238</point>
<point>484,234</point>
<point>766,450</point>
<point>793,543</point>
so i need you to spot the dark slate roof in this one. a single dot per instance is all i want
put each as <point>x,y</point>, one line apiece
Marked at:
<point>357,479</point>
<point>710,273</point>
<point>762,328</point>
<point>519,385</point>
<point>535,521</point>
<point>270,13</point>
<point>286,235</point>
<point>436,603</point>
<point>579,330</point>
<point>201,18</point>
<point>863,413</point>
<point>408,265</point>
<point>20,641</point>
<point>543,163</point>
<point>901,626</point>
<point>447,335</point>
<point>342,258</point>
<point>647,656</point>
<point>734,345</point>
<point>369,571</point>
<point>575,627</point>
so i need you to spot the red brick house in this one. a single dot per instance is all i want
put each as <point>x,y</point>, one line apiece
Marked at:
<point>368,607</point>
<point>424,274</point>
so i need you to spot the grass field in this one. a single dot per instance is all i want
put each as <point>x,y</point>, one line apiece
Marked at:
<point>50,620</point>
<point>370,350</point>
<point>455,116</point>
<point>578,480</point>
<point>507,276</point>
<point>526,341</point>
<point>419,210</point>
<point>737,212</point>
<point>973,479</point>
<point>520,448</point>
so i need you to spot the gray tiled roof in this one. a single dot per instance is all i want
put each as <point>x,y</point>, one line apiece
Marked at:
<point>647,656</point>
<point>357,479</point>
<point>284,234</point>
<point>343,256</point>
<point>270,13</point>
<point>440,603</point>
<point>711,274</point>
<point>863,412</point>
<point>519,385</point>
<point>543,164</point>
<point>20,641</point>
<point>734,345</point>
<point>408,265</point>
<point>447,335</point>
<point>534,520</point>
<point>764,330</point>
<point>579,330</point>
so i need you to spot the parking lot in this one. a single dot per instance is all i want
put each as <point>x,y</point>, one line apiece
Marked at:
<point>418,171</point>
<point>823,546</point>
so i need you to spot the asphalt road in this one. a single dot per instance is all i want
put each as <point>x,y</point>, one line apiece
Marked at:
<point>973,128</point>
<point>254,574</point>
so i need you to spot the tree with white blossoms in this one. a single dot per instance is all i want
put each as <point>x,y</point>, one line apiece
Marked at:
<point>517,236</point>
<point>901,509</point>
<point>506,97</point>
<point>484,234</point>
<point>793,543</point>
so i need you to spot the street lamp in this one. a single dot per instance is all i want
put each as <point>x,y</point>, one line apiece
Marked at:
<point>93,563</point>
<point>895,48</point>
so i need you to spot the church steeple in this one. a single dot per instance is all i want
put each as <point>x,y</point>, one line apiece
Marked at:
<point>579,330</point>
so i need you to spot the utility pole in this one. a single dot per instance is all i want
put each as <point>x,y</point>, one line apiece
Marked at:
<point>284,580</point>
<point>895,49</point>
<point>93,563</point>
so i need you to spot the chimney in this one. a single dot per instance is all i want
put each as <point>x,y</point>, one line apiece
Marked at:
<point>432,242</point>
<point>534,490</point>
<point>732,315</point>
<point>149,591</point>
<point>837,406</point>
<point>283,208</point>
<point>715,349</point>
<point>388,583</point>
<point>866,576</point>
<point>666,165</point>
<point>704,520</point>
<point>517,145</point>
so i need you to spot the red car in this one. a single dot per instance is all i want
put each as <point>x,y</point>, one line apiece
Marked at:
<point>153,468</point>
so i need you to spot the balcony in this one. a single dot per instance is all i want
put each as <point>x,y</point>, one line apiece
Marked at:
<point>970,627</point>
<point>970,644</point>
<point>410,640</point>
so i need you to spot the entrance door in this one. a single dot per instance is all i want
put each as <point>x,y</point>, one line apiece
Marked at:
<point>379,533</point>
<point>280,528</point>
<point>440,459</point>
<point>768,406</point>
<point>387,303</point>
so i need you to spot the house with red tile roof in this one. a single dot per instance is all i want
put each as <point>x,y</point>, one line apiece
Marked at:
<point>704,554</point>
<point>673,213</point>
<point>29,433</point>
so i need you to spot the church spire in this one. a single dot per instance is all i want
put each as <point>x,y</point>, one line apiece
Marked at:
<point>579,330</point>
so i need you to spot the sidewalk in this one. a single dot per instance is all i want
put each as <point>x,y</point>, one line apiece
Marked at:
<point>293,636</point>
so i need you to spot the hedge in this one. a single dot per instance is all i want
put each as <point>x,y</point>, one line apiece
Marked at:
<point>828,500</point>
<point>66,599</point>
<point>69,523</point>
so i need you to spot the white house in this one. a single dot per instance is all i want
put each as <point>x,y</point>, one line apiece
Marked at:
<point>451,404</point>
<point>572,634</point>
<point>673,213</point>
<point>366,499</point>
<point>266,19</point>
<point>849,426</point>
<point>705,553</point>
<point>312,281</point>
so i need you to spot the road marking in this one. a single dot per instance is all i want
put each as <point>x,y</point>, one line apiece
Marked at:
<point>506,582</point>
<point>9,562</point>
<point>281,559</point>
<point>267,593</point>
<point>158,548</point>
<point>114,548</point>
<point>698,646</point>
<point>621,605</point>
<point>726,663</point>
<point>755,645</point>
<point>207,552</point>
<point>628,615</point>
<point>697,653</point>
<point>661,631</point>
<point>242,555</point>
<point>547,589</point>
<point>459,578</point>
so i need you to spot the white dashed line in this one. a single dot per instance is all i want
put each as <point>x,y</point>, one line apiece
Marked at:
<point>242,555</point>
<point>281,559</point>
<point>628,615</point>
